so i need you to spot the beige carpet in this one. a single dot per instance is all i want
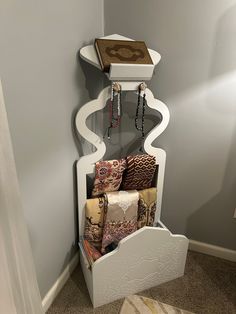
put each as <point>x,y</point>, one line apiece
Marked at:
<point>136,304</point>
<point>208,287</point>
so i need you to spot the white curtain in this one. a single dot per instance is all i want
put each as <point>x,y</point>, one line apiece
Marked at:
<point>19,291</point>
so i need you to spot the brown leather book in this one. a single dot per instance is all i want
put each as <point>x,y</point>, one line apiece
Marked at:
<point>121,51</point>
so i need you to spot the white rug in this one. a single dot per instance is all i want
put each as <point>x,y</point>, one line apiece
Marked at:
<point>135,304</point>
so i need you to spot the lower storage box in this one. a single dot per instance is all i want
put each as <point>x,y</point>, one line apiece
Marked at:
<point>147,258</point>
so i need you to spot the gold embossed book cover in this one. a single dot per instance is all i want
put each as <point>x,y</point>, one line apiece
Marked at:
<point>121,51</point>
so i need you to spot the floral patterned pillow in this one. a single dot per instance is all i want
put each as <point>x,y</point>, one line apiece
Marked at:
<point>108,176</point>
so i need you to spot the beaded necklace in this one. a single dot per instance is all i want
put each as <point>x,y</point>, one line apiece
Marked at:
<point>114,117</point>
<point>140,126</point>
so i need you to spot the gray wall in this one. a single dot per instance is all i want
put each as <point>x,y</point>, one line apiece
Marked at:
<point>44,84</point>
<point>197,80</point>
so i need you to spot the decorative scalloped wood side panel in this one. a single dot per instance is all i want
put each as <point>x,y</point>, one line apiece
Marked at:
<point>147,258</point>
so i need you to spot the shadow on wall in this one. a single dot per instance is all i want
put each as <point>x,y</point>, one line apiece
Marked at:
<point>93,79</point>
<point>197,81</point>
<point>217,213</point>
<point>93,85</point>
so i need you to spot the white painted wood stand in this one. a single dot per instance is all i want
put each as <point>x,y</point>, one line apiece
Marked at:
<point>151,255</point>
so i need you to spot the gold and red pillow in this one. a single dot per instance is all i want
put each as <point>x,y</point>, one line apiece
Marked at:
<point>140,172</point>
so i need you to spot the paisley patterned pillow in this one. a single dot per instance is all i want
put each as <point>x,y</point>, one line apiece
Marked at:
<point>108,176</point>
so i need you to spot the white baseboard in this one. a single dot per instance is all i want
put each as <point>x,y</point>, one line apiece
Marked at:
<point>60,282</point>
<point>213,250</point>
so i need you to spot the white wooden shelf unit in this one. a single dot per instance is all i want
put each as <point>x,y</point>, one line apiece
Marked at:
<point>151,255</point>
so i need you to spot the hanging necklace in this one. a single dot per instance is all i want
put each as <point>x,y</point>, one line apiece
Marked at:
<point>140,125</point>
<point>114,113</point>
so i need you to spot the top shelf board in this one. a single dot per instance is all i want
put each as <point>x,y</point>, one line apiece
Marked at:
<point>121,71</point>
